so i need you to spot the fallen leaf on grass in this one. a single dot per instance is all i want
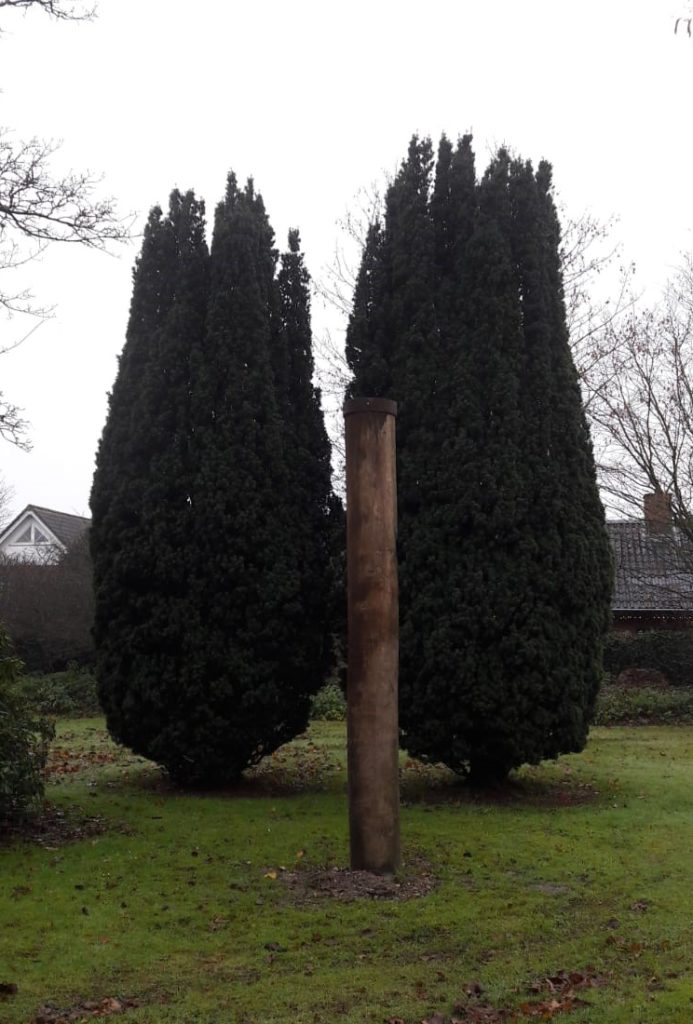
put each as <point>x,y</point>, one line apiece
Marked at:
<point>62,761</point>
<point>561,986</point>
<point>270,874</point>
<point>480,1013</point>
<point>634,949</point>
<point>548,1009</point>
<point>108,1007</point>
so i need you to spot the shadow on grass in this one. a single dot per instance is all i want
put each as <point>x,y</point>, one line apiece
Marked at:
<point>420,784</point>
<point>314,764</point>
<point>435,784</point>
<point>292,770</point>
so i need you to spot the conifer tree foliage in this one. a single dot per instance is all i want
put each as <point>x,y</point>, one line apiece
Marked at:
<point>212,502</point>
<point>262,495</point>
<point>141,494</point>
<point>504,560</point>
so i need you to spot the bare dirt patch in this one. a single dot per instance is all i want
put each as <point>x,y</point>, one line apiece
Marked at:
<point>312,885</point>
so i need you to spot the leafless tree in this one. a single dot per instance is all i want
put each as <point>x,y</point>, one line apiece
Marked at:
<point>588,257</point>
<point>643,410</point>
<point>38,208</point>
<point>335,288</point>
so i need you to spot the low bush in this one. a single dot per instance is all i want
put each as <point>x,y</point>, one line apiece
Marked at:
<point>667,651</point>
<point>24,740</point>
<point>624,705</point>
<point>329,704</point>
<point>69,693</point>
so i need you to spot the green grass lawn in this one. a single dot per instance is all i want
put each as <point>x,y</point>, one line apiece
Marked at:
<point>180,903</point>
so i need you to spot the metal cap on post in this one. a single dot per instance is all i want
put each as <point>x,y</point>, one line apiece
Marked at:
<point>373,650</point>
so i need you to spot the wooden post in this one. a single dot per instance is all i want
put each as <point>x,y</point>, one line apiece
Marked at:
<point>373,653</point>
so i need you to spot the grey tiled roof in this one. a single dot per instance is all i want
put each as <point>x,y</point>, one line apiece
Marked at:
<point>653,568</point>
<point>67,528</point>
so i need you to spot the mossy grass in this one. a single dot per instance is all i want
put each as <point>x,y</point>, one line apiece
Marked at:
<point>179,901</point>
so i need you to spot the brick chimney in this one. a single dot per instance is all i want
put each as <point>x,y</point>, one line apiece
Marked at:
<point>657,509</point>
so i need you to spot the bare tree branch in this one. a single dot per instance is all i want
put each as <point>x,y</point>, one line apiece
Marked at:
<point>48,209</point>
<point>13,427</point>
<point>642,412</point>
<point>38,208</point>
<point>61,10</point>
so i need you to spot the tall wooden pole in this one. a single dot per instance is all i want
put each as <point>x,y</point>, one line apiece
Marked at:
<point>373,652</point>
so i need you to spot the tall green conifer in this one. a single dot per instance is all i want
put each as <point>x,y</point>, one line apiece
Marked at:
<point>504,562</point>
<point>211,527</point>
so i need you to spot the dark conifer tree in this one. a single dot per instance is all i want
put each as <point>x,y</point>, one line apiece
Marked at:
<point>141,496</point>
<point>211,527</point>
<point>453,677</point>
<point>258,571</point>
<point>504,601</point>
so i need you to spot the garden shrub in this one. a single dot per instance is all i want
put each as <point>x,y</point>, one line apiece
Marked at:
<point>667,651</point>
<point>627,705</point>
<point>24,740</point>
<point>329,704</point>
<point>70,693</point>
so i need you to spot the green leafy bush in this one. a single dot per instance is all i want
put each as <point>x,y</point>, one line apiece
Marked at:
<point>622,705</point>
<point>24,740</point>
<point>328,704</point>
<point>667,651</point>
<point>68,693</point>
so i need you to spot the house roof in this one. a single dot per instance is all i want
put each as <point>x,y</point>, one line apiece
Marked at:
<point>653,568</point>
<point>65,527</point>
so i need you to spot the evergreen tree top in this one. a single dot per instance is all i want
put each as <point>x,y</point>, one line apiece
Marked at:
<point>294,240</point>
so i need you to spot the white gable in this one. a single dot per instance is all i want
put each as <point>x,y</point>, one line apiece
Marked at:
<point>30,540</point>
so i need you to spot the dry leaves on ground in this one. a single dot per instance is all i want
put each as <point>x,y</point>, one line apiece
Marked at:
<point>560,990</point>
<point>88,1010</point>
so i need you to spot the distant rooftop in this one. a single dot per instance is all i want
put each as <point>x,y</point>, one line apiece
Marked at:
<point>653,567</point>
<point>63,525</point>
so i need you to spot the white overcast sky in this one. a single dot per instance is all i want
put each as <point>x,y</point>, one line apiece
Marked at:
<point>315,100</point>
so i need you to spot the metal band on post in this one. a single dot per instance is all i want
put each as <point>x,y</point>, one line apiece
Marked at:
<point>373,650</point>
